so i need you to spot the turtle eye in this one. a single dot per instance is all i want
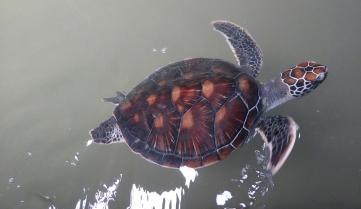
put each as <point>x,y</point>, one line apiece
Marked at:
<point>321,77</point>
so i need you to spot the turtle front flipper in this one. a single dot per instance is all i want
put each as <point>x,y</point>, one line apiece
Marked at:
<point>244,47</point>
<point>279,134</point>
<point>107,132</point>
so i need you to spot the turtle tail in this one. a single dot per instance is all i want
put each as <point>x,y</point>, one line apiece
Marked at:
<point>107,132</point>
<point>117,99</point>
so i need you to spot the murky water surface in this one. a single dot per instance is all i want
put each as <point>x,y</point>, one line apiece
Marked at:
<point>58,58</point>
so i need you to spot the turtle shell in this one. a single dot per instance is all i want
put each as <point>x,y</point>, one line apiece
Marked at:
<point>190,113</point>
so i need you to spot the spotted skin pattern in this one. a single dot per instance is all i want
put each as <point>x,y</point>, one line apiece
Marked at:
<point>244,47</point>
<point>107,132</point>
<point>304,77</point>
<point>279,134</point>
<point>190,113</point>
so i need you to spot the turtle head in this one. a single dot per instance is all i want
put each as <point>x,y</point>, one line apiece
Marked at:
<point>304,77</point>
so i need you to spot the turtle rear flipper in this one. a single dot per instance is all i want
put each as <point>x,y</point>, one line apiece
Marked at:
<point>279,134</point>
<point>115,100</point>
<point>107,132</point>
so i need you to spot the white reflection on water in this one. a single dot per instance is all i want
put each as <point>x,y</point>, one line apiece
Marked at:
<point>189,174</point>
<point>161,50</point>
<point>253,178</point>
<point>256,178</point>
<point>143,199</point>
<point>11,180</point>
<point>102,196</point>
<point>89,142</point>
<point>221,199</point>
<point>140,198</point>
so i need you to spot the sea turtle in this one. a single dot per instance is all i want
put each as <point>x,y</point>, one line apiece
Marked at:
<point>197,111</point>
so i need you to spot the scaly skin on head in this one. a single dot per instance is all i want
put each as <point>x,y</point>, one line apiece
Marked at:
<point>293,82</point>
<point>304,77</point>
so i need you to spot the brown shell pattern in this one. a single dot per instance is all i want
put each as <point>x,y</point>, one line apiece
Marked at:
<point>191,113</point>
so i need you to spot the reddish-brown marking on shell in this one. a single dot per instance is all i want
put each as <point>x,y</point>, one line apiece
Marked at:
<point>188,120</point>
<point>159,121</point>
<point>135,102</point>
<point>207,89</point>
<point>163,99</point>
<point>248,89</point>
<point>125,106</point>
<point>244,83</point>
<point>151,99</point>
<point>180,108</point>
<point>229,121</point>
<point>137,127</point>
<point>186,94</point>
<point>194,137</point>
<point>176,92</point>
<point>163,135</point>
<point>191,113</point>
<point>220,114</point>
<point>124,111</point>
<point>217,91</point>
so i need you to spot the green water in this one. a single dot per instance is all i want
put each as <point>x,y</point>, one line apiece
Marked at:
<point>58,58</point>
